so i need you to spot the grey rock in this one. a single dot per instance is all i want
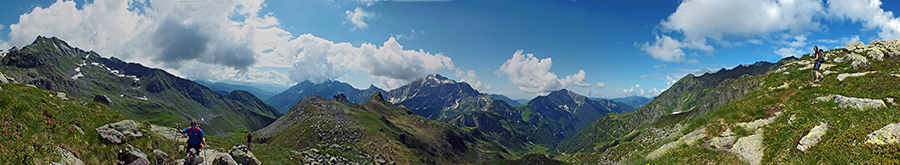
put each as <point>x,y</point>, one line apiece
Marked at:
<point>61,96</point>
<point>722,143</point>
<point>102,99</point>
<point>689,139</point>
<point>812,137</point>
<point>131,155</point>
<point>858,103</point>
<point>216,157</point>
<point>67,157</point>
<point>843,76</point>
<point>78,129</point>
<point>120,132</point>
<point>242,156</point>
<point>854,46</point>
<point>890,100</point>
<point>750,147</point>
<point>162,158</point>
<point>3,78</point>
<point>141,161</point>
<point>889,134</point>
<point>856,61</point>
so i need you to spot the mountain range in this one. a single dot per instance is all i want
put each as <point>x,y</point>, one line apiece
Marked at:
<point>224,88</point>
<point>139,92</point>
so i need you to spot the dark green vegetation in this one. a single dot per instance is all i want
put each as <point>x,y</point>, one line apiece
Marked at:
<point>136,91</point>
<point>374,130</point>
<point>285,100</point>
<point>719,103</point>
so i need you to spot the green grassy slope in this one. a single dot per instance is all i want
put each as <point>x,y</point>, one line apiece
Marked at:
<point>790,92</point>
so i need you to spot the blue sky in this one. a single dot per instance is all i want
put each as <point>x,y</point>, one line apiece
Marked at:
<point>518,48</point>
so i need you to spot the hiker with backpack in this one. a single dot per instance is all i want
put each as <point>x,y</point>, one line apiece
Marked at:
<point>196,138</point>
<point>818,56</point>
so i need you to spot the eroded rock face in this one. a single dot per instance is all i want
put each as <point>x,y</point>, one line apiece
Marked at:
<point>889,134</point>
<point>102,99</point>
<point>120,132</point>
<point>812,137</point>
<point>722,143</point>
<point>750,147</point>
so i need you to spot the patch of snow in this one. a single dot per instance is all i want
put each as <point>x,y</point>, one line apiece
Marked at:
<point>142,98</point>
<point>79,75</point>
<point>95,64</point>
<point>78,69</point>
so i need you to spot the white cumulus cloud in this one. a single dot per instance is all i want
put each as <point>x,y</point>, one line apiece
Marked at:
<point>389,66</point>
<point>358,16</point>
<point>636,90</point>
<point>869,13</point>
<point>599,85</point>
<point>532,75</point>
<point>472,79</point>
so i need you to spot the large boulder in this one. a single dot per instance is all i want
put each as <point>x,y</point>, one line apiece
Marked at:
<point>750,147</point>
<point>216,157</point>
<point>812,137</point>
<point>857,61</point>
<point>120,132</point>
<point>132,155</point>
<point>858,103</point>
<point>889,134</point>
<point>3,78</point>
<point>243,156</point>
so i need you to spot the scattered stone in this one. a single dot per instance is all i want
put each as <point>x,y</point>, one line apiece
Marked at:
<point>102,99</point>
<point>61,96</point>
<point>243,156</point>
<point>759,123</point>
<point>827,72</point>
<point>78,128</point>
<point>812,137</point>
<point>843,76</point>
<point>782,86</point>
<point>120,132</point>
<point>750,147</point>
<point>29,85</point>
<point>67,157</point>
<point>689,139</point>
<point>791,120</point>
<point>889,134</point>
<point>856,45</point>
<point>858,103</point>
<point>890,100</point>
<point>3,78</point>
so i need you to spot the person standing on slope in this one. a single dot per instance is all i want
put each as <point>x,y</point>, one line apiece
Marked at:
<point>818,57</point>
<point>249,139</point>
<point>196,138</point>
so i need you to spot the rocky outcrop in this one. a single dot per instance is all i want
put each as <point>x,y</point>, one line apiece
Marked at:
<point>812,137</point>
<point>690,139</point>
<point>132,155</point>
<point>161,158</point>
<point>243,156</point>
<point>750,147</point>
<point>889,134</point>
<point>857,61</point>
<point>67,157</point>
<point>853,102</point>
<point>102,99</point>
<point>120,132</point>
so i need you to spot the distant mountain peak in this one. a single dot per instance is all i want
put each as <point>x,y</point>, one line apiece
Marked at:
<point>439,79</point>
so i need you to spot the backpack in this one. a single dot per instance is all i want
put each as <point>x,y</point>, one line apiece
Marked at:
<point>194,131</point>
<point>821,55</point>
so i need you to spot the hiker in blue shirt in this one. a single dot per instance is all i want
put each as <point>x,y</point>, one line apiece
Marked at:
<point>196,138</point>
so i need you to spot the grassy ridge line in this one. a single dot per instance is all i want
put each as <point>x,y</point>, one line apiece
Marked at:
<point>848,128</point>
